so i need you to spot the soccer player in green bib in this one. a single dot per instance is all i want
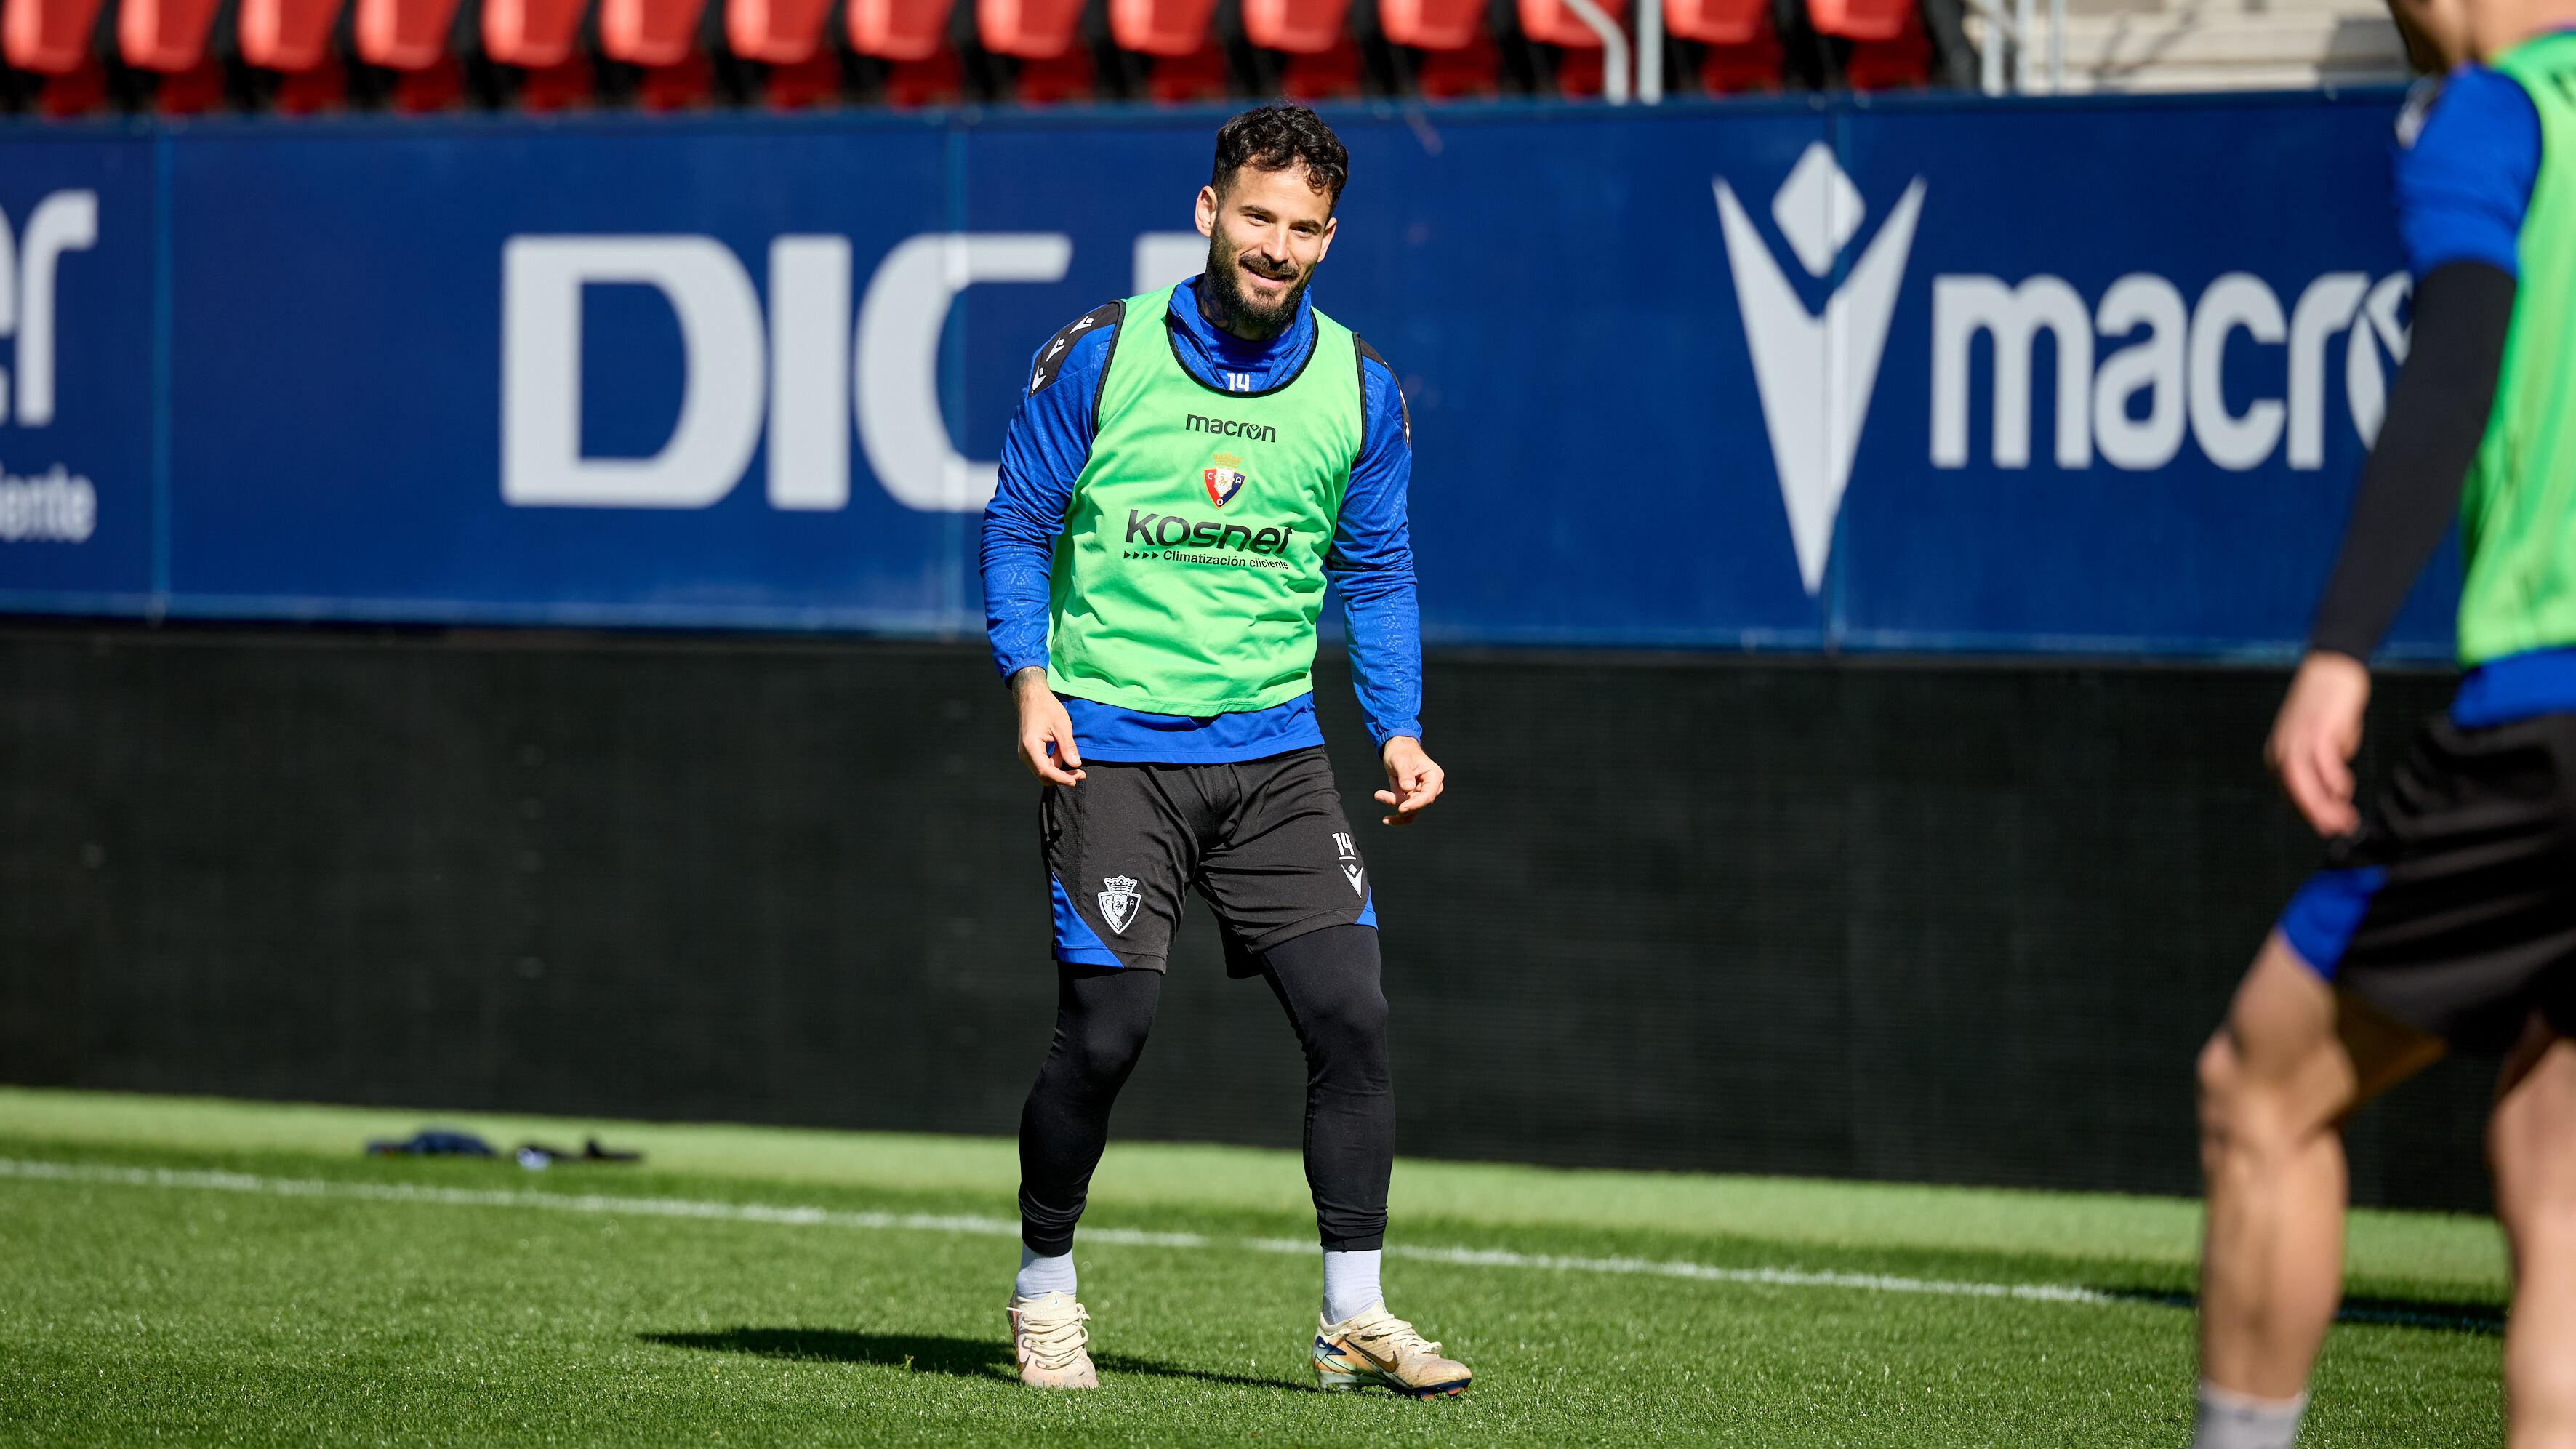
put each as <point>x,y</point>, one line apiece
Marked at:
<point>1185,473</point>
<point>2446,916</point>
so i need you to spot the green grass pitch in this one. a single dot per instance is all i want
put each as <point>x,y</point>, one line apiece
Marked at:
<point>203,1272</point>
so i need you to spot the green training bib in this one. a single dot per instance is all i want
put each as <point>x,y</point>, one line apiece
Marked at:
<point>2518,511</point>
<point>1191,570</point>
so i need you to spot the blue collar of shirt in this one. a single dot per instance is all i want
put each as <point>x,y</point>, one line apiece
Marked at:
<point>1210,351</point>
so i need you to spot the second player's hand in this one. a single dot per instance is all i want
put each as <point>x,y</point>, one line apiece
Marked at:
<point>1046,731</point>
<point>1416,781</point>
<point>2315,737</point>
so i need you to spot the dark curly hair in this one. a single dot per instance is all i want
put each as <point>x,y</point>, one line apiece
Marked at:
<point>1274,138</point>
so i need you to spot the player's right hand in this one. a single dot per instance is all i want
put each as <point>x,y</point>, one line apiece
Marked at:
<point>2315,737</point>
<point>1046,731</point>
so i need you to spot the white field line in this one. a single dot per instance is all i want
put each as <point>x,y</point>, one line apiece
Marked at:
<point>806,1217</point>
<point>1769,1277</point>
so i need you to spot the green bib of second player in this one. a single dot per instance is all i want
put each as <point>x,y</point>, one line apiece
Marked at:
<point>1192,567</point>
<point>2518,512</point>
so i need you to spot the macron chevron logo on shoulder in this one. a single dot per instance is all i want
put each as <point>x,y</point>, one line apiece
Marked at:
<point>1813,403</point>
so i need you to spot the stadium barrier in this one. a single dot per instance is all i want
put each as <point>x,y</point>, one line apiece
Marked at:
<point>1794,375</point>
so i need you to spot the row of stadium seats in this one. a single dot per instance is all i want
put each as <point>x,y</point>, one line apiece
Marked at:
<point>70,57</point>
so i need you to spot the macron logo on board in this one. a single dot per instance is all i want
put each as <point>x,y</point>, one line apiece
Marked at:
<point>1813,403</point>
<point>2139,372</point>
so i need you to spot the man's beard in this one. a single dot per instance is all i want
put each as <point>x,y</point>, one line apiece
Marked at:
<point>1244,315</point>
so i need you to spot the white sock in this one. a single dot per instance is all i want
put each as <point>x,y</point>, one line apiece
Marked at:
<point>2230,1420</point>
<point>1042,1276</point>
<point>1350,1284</point>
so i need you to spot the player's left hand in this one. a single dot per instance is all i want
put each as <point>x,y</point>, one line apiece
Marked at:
<point>2315,736</point>
<point>1416,779</point>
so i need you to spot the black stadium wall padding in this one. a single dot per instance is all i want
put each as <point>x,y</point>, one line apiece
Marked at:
<point>1928,920</point>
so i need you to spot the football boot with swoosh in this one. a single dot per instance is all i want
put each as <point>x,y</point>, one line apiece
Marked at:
<point>1379,1348</point>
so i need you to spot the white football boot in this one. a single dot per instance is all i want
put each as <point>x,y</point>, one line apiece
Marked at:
<point>1379,1348</point>
<point>1051,1336</point>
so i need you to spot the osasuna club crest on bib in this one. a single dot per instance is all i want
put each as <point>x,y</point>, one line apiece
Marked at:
<point>1223,477</point>
<point>1118,903</point>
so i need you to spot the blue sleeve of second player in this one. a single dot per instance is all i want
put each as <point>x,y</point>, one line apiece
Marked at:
<point>1372,566</point>
<point>1043,451</point>
<point>2464,177</point>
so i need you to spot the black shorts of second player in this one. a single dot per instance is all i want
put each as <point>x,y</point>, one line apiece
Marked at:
<point>1264,842</point>
<point>2453,907</point>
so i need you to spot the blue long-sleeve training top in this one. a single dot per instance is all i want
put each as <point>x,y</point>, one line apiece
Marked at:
<point>1370,563</point>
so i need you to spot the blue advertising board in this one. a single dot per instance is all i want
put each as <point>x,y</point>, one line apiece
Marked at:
<point>79,370</point>
<point>1941,374</point>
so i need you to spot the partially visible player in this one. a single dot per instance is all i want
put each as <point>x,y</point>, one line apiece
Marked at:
<point>2446,916</point>
<point>1186,471</point>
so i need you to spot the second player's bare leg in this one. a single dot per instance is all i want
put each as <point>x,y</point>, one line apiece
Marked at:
<point>2532,1142</point>
<point>2275,1084</point>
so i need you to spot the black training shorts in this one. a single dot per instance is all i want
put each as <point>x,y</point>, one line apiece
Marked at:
<point>1263,841</point>
<point>2453,907</point>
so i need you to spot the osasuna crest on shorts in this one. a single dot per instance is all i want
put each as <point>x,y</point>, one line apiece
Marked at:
<point>1119,901</point>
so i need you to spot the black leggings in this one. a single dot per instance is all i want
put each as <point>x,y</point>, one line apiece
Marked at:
<point>1328,982</point>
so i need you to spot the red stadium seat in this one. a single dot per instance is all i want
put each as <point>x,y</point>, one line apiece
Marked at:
<point>291,36</point>
<point>408,35</point>
<point>293,39</point>
<point>167,36</point>
<point>1553,22</point>
<point>1901,62</point>
<point>683,83</point>
<point>1458,58</point>
<point>1861,19</point>
<point>556,87</point>
<point>319,88</point>
<point>1330,75</point>
<point>191,92</point>
<point>1578,73</point>
<point>49,37</point>
<point>899,30</point>
<point>1452,25</point>
<point>79,93</point>
<point>931,82</point>
<point>1298,27</point>
<point>1472,69</point>
<point>814,81</point>
<point>775,32</point>
<point>649,33</point>
<point>1180,79</point>
<point>1717,22</point>
<point>1735,69</point>
<point>1029,29</point>
<point>1175,28</point>
<point>530,34</point>
<point>1056,80</point>
<point>437,86</point>
<point>1755,62</point>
